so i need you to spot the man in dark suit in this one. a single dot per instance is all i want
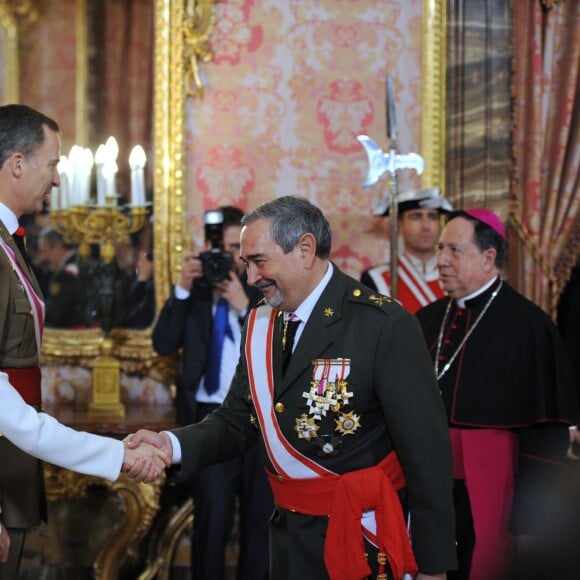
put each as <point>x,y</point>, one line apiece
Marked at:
<point>188,321</point>
<point>64,293</point>
<point>355,416</point>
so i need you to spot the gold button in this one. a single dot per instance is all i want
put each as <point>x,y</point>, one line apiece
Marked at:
<point>356,292</point>
<point>279,407</point>
<point>280,478</point>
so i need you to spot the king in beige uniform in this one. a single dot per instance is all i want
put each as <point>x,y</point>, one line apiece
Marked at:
<point>29,153</point>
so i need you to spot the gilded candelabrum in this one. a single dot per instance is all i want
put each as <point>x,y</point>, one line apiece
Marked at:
<point>102,225</point>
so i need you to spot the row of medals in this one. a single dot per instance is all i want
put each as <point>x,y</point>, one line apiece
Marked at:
<point>327,397</point>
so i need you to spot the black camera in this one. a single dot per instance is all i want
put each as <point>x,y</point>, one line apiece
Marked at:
<point>216,262</point>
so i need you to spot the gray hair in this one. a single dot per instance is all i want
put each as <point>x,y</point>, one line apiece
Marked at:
<point>22,130</point>
<point>290,218</point>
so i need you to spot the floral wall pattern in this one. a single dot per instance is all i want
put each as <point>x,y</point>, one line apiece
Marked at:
<point>291,84</point>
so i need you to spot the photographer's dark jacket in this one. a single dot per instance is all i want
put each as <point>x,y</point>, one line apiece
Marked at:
<point>187,324</point>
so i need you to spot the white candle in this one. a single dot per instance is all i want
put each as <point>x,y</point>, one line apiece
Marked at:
<point>100,159</point>
<point>112,149</point>
<point>64,170</point>
<point>111,154</point>
<point>86,163</point>
<point>109,171</point>
<point>74,159</point>
<point>137,161</point>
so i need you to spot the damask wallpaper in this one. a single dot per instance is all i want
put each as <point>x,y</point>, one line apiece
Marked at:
<point>291,85</point>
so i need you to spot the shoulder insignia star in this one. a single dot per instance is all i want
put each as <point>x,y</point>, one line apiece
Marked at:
<point>328,312</point>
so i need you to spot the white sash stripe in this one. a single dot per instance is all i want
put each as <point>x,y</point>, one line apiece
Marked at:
<point>415,282</point>
<point>288,462</point>
<point>377,277</point>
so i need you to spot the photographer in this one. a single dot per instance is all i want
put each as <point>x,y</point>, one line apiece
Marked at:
<point>203,317</point>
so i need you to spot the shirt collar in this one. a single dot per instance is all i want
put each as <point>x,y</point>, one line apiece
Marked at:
<point>427,268</point>
<point>8,218</point>
<point>307,306</point>
<point>461,301</point>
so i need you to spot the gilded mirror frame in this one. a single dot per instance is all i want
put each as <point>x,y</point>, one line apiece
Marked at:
<point>181,34</point>
<point>10,50</point>
<point>134,347</point>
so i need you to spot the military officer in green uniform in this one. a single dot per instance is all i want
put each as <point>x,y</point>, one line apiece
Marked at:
<point>355,416</point>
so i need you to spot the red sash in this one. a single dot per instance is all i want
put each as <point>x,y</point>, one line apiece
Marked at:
<point>27,383</point>
<point>344,498</point>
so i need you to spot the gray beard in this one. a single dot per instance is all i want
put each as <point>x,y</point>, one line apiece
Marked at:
<point>277,300</point>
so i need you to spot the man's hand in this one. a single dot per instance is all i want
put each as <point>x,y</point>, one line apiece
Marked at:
<point>232,290</point>
<point>4,543</point>
<point>159,440</point>
<point>191,268</point>
<point>145,460</point>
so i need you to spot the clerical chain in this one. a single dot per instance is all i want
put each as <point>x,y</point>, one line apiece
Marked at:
<point>462,343</point>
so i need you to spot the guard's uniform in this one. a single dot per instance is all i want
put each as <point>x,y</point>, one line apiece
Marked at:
<point>418,283</point>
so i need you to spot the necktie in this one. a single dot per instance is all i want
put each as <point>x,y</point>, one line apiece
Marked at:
<point>288,334</point>
<point>221,328</point>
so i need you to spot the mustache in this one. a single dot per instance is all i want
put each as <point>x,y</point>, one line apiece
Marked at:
<point>264,284</point>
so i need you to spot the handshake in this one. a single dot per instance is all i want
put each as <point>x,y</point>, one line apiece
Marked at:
<point>146,456</point>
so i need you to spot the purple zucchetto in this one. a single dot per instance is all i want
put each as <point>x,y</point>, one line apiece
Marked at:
<point>489,218</point>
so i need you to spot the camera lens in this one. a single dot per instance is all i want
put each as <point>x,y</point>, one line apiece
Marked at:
<point>216,264</point>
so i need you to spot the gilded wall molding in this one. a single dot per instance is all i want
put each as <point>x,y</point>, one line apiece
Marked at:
<point>82,74</point>
<point>169,134</point>
<point>433,97</point>
<point>199,21</point>
<point>24,12</point>
<point>183,31</point>
<point>10,28</point>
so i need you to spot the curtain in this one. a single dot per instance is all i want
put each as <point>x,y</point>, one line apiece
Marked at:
<point>479,104</point>
<point>545,240</point>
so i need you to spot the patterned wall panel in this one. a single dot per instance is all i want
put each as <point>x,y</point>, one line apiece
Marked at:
<point>291,84</point>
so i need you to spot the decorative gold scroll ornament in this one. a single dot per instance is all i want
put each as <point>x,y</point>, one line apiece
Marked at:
<point>199,21</point>
<point>23,11</point>
<point>140,504</point>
